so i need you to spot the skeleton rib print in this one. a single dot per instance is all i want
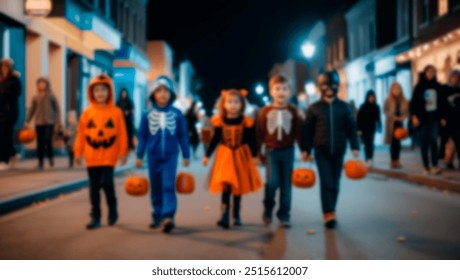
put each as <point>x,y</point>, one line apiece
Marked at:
<point>161,120</point>
<point>279,120</point>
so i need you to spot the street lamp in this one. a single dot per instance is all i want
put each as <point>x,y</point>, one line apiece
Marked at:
<point>308,50</point>
<point>260,89</point>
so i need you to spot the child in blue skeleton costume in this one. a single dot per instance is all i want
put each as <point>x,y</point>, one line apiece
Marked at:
<point>162,131</point>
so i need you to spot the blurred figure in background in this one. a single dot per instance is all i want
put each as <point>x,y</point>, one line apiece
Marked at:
<point>426,115</point>
<point>45,110</point>
<point>369,122</point>
<point>126,106</point>
<point>191,117</point>
<point>70,133</point>
<point>354,109</point>
<point>10,90</point>
<point>452,103</point>
<point>396,110</point>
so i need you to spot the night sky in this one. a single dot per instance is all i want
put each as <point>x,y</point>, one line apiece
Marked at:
<point>235,43</point>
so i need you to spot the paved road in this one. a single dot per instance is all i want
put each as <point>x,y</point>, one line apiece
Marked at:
<point>372,214</point>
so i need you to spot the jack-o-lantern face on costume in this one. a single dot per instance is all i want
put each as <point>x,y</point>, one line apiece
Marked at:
<point>101,135</point>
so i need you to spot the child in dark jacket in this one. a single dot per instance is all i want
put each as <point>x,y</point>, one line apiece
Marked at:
<point>329,126</point>
<point>162,131</point>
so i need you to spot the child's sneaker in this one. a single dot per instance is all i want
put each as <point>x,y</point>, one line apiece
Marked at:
<point>330,221</point>
<point>113,218</point>
<point>267,220</point>
<point>94,224</point>
<point>285,224</point>
<point>168,226</point>
<point>436,170</point>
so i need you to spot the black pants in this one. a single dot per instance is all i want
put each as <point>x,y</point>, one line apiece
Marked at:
<point>456,137</point>
<point>444,137</point>
<point>395,146</point>
<point>7,149</point>
<point>44,142</point>
<point>130,132</point>
<point>429,143</point>
<point>330,170</point>
<point>102,178</point>
<point>71,156</point>
<point>368,141</point>
<point>226,194</point>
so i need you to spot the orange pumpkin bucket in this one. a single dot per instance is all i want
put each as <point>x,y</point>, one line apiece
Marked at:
<point>355,169</point>
<point>185,183</point>
<point>137,185</point>
<point>26,135</point>
<point>303,178</point>
<point>401,133</point>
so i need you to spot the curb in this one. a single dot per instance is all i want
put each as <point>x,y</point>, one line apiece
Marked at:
<point>20,201</point>
<point>441,183</point>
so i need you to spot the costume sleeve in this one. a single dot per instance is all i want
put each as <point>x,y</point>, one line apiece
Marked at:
<point>360,118</point>
<point>216,139</point>
<point>122,133</point>
<point>351,131</point>
<point>414,106</point>
<point>297,128</point>
<point>379,119</point>
<point>57,110</point>
<point>142,136</point>
<point>308,131</point>
<point>183,136</point>
<point>249,138</point>
<point>79,145</point>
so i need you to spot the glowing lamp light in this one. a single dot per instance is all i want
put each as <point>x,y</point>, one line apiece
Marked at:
<point>308,50</point>
<point>38,8</point>
<point>310,88</point>
<point>260,89</point>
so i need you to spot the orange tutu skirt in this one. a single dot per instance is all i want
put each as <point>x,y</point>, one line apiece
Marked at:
<point>235,168</point>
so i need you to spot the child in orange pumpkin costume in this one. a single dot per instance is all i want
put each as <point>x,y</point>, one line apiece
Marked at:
<point>234,171</point>
<point>102,139</point>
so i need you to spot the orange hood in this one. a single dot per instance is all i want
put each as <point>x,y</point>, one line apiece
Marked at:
<point>104,80</point>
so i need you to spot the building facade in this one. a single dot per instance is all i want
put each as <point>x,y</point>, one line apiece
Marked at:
<point>76,41</point>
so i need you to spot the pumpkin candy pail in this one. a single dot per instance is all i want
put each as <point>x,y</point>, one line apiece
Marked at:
<point>185,183</point>
<point>355,169</point>
<point>26,135</point>
<point>401,133</point>
<point>303,178</point>
<point>137,185</point>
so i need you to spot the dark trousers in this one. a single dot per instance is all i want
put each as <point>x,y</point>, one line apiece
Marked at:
<point>102,178</point>
<point>429,143</point>
<point>395,145</point>
<point>7,149</point>
<point>444,138</point>
<point>44,142</point>
<point>226,195</point>
<point>330,169</point>
<point>279,166</point>
<point>456,137</point>
<point>368,141</point>
<point>71,156</point>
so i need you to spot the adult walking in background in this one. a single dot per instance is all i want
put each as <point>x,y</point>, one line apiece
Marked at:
<point>127,107</point>
<point>192,119</point>
<point>427,114</point>
<point>10,90</point>
<point>396,110</point>
<point>369,123</point>
<point>45,110</point>
<point>452,100</point>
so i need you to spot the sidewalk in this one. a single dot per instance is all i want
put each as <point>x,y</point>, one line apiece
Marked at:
<point>412,170</point>
<point>25,184</point>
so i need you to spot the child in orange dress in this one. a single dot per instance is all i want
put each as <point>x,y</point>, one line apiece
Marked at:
<point>234,171</point>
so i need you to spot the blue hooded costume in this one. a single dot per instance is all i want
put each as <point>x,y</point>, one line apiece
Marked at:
<point>161,132</point>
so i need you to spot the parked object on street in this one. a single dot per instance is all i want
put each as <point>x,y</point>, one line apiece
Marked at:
<point>185,183</point>
<point>26,135</point>
<point>137,185</point>
<point>304,178</point>
<point>355,169</point>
